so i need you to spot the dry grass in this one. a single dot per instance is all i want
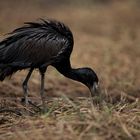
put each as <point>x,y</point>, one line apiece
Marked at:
<point>107,37</point>
<point>78,119</point>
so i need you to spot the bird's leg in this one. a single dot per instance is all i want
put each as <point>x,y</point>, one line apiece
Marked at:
<point>25,87</point>
<point>42,92</point>
<point>42,72</point>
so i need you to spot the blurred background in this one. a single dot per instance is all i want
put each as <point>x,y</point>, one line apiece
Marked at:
<point>107,39</point>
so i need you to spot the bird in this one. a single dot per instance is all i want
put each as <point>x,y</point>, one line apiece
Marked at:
<point>37,45</point>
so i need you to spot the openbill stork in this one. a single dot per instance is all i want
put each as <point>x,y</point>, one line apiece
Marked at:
<point>36,45</point>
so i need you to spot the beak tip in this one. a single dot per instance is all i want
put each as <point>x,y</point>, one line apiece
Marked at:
<point>94,89</point>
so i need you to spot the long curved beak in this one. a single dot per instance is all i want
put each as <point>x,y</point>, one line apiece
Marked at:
<point>94,89</point>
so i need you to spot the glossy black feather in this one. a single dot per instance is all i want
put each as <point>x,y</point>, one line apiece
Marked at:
<point>35,45</point>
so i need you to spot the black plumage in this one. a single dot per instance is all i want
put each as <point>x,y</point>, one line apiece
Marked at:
<point>37,45</point>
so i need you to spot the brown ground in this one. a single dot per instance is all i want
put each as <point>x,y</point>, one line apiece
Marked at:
<point>107,38</point>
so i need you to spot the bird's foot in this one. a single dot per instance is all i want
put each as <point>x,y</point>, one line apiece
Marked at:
<point>44,110</point>
<point>23,101</point>
<point>29,102</point>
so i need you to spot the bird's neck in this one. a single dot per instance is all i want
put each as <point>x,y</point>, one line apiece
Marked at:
<point>68,71</point>
<point>72,74</point>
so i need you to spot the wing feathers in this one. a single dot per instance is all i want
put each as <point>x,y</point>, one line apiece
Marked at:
<point>35,43</point>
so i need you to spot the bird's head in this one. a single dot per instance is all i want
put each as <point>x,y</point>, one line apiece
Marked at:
<point>89,78</point>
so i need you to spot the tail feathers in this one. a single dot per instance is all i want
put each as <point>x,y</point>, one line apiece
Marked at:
<point>5,72</point>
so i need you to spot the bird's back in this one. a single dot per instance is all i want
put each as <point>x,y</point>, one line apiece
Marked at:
<point>36,44</point>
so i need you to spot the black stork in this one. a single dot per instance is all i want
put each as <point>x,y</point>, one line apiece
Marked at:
<point>37,45</point>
